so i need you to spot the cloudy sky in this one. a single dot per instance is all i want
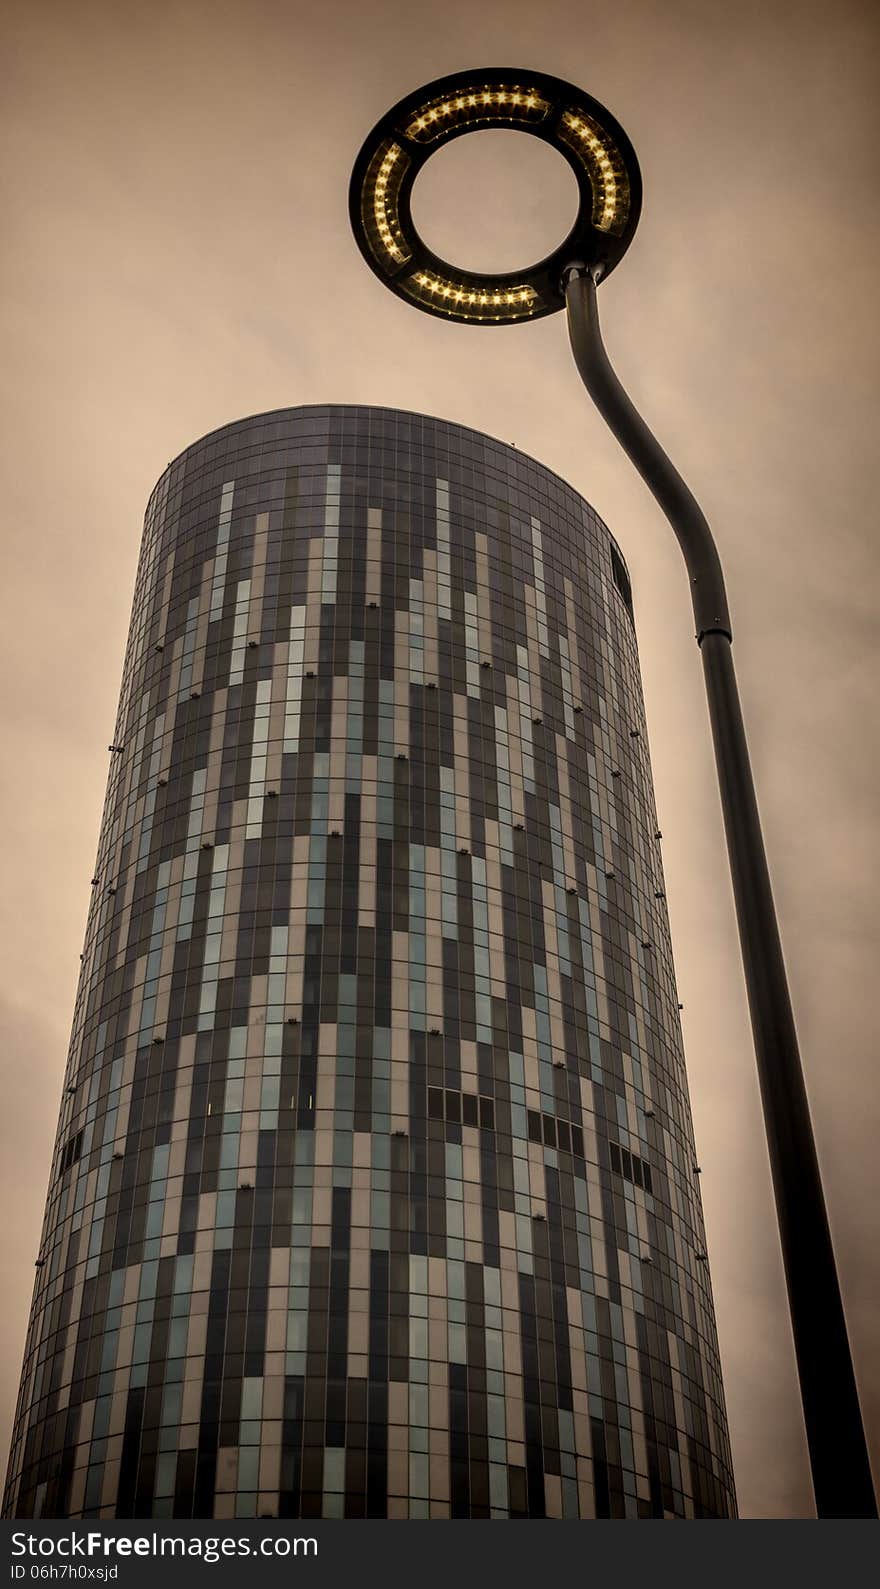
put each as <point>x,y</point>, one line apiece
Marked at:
<point>177,254</point>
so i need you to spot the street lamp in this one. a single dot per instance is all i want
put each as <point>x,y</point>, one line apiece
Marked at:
<point>609,187</point>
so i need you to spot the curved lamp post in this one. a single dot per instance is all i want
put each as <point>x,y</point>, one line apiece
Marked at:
<point>609,185</point>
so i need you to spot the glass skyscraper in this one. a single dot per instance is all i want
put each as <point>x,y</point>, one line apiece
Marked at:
<point>374,1185</point>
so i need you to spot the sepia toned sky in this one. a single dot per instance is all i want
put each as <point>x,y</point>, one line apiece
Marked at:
<point>176,254</point>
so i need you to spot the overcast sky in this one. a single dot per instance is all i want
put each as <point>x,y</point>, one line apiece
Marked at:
<point>177,255</point>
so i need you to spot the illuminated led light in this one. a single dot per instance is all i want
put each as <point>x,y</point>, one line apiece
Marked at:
<point>519,104</point>
<point>611,205</point>
<point>384,196</point>
<point>520,298</point>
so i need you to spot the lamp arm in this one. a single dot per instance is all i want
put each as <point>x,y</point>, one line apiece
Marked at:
<point>684,513</point>
<point>839,1459</point>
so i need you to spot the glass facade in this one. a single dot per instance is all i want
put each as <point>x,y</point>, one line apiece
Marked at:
<point>374,1186</point>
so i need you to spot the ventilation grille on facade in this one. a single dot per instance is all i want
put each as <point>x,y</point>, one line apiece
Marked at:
<point>70,1152</point>
<point>630,1166</point>
<point>621,579</point>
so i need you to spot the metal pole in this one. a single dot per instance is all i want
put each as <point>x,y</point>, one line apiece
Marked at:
<point>838,1452</point>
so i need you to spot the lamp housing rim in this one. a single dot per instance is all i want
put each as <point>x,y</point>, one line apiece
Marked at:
<point>390,242</point>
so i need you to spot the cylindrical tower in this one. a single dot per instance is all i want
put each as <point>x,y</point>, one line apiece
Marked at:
<point>374,1186</point>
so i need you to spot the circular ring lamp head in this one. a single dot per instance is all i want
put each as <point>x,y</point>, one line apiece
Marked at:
<point>586,135</point>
